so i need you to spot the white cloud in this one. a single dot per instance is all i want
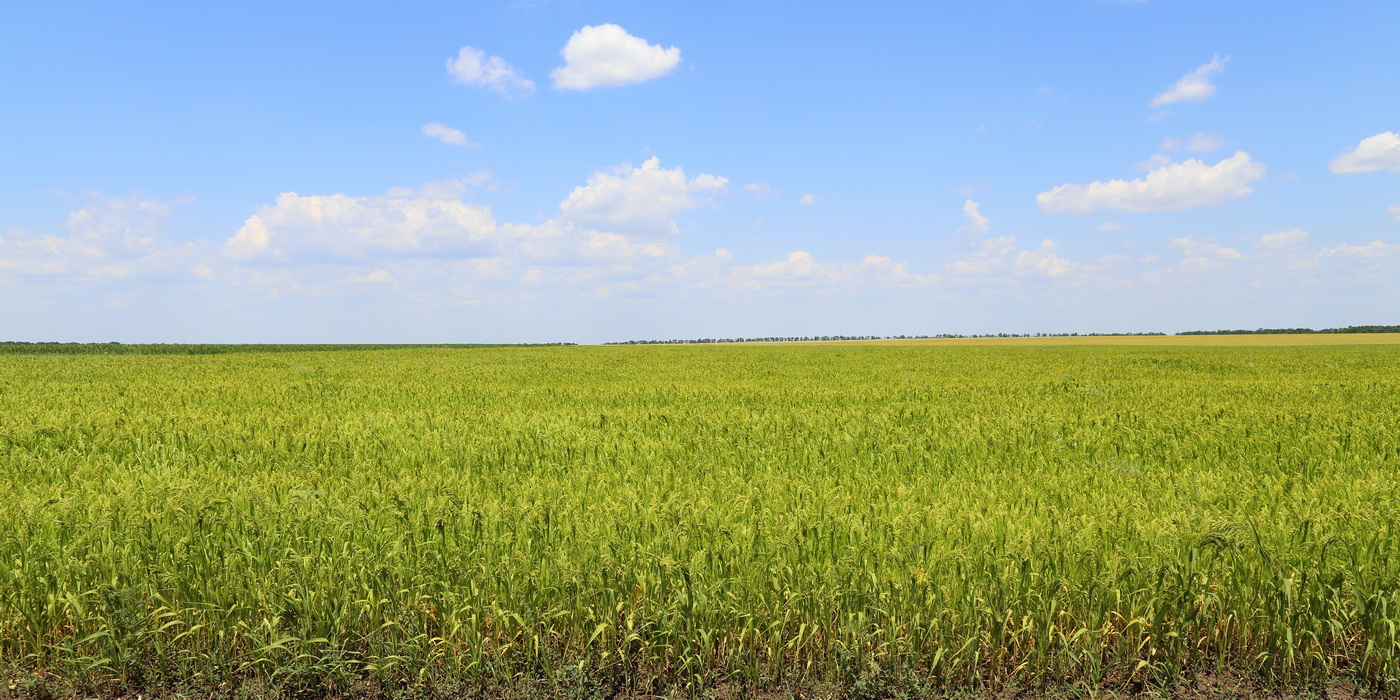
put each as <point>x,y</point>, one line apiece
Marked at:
<point>1171,187</point>
<point>378,276</point>
<point>999,257</point>
<point>1192,87</point>
<point>973,221</point>
<point>762,190</point>
<point>990,255</point>
<point>1044,261</point>
<point>1374,249</point>
<point>705,267</point>
<point>343,227</point>
<point>1394,212</point>
<point>1379,152</point>
<point>1154,161</point>
<point>1284,238</point>
<point>1199,142</point>
<point>449,188</point>
<point>109,238</point>
<point>472,67</point>
<point>639,201</point>
<point>1109,226</point>
<point>801,271</point>
<point>807,200</point>
<point>448,135</point>
<point>1204,255</point>
<point>618,226</point>
<point>607,56</point>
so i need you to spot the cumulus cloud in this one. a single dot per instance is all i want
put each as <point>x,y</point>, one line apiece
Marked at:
<point>762,190</point>
<point>1204,255</point>
<point>973,221</point>
<point>807,200</point>
<point>801,271</point>
<point>447,135</point>
<point>450,188</point>
<point>621,223</point>
<point>607,56</point>
<point>109,238</point>
<point>639,201</point>
<point>1192,87</point>
<point>1044,260</point>
<point>1109,226</point>
<point>993,257</point>
<point>473,67</point>
<point>342,227</point>
<point>1171,187</point>
<point>1379,152</point>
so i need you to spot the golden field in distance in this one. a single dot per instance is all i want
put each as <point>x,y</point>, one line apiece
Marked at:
<point>1250,340</point>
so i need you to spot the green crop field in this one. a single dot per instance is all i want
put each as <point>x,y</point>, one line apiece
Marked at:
<point>596,521</point>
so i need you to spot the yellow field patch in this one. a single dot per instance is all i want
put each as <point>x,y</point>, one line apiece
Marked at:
<point>1279,340</point>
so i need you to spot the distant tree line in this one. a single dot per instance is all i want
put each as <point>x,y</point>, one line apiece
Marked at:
<point>1294,331</point>
<point>820,338</point>
<point>16,347</point>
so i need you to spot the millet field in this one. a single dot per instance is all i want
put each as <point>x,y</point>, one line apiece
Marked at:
<point>840,520</point>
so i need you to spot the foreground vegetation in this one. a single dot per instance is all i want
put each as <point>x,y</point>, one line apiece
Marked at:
<point>865,520</point>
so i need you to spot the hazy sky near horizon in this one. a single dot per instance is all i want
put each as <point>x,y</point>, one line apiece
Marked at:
<point>581,171</point>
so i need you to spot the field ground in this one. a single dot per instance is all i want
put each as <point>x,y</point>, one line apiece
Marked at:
<point>752,520</point>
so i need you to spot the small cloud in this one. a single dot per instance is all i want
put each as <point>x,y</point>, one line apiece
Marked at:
<point>1199,142</point>
<point>967,190</point>
<point>1044,91</point>
<point>472,67</point>
<point>204,272</point>
<point>450,188</point>
<point>607,56</point>
<point>1171,187</point>
<point>447,135</point>
<point>1394,212</point>
<point>1284,238</point>
<point>1379,152</point>
<point>758,223</point>
<point>762,190</point>
<point>973,221</point>
<point>1204,255</point>
<point>1154,161</point>
<point>807,200</point>
<point>1109,226</point>
<point>1374,249</point>
<point>1192,87</point>
<point>380,276</point>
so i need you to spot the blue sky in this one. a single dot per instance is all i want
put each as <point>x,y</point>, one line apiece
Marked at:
<point>591,171</point>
